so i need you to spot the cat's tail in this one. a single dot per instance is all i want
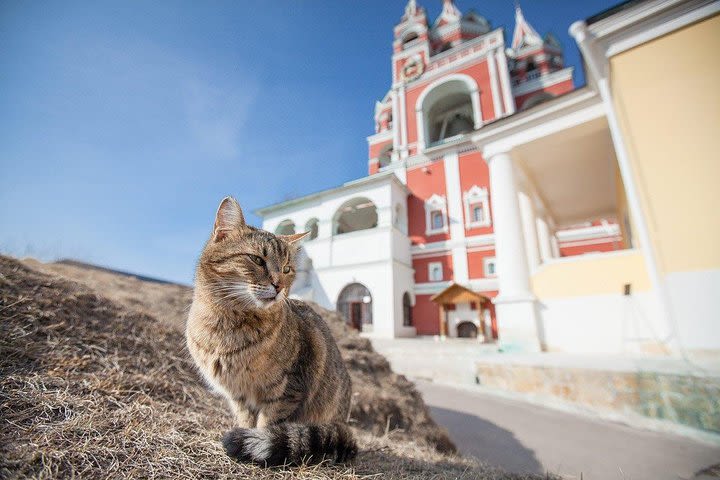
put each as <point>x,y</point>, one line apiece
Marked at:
<point>291,444</point>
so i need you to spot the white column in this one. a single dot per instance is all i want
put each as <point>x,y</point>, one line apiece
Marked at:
<point>420,127</point>
<point>397,121</point>
<point>455,217</point>
<point>403,125</point>
<point>505,82</point>
<point>555,246</point>
<point>515,304</point>
<point>543,231</point>
<point>477,108</point>
<point>527,214</point>
<point>494,89</point>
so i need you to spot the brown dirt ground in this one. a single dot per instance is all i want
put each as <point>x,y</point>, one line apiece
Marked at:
<point>96,383</point>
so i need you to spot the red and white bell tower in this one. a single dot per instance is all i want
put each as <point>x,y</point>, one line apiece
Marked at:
<point>451,77</point>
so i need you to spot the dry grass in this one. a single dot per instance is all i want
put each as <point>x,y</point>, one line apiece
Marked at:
<point>93,389</point>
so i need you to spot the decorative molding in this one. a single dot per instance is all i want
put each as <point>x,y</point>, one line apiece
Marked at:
<point>434,204</point>
<point>543,81</point>
<point>472,197</point>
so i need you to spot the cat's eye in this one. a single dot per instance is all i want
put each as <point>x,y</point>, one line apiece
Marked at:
<point>286,269</point>
<point>257,260</point>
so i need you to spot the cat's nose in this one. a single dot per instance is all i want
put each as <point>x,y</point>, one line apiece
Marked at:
<point>277,287</point>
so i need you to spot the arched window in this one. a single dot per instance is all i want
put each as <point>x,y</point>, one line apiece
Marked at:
<point>385,156</point>
<point>355,305</point>
<point>286,227</point>
<point>435,215</point>
<point>446,110</point>
<point>312,226</point>
<point>356,214</point>
<point>412,36</point>
<point>477,207</point>
<point>407,310</point>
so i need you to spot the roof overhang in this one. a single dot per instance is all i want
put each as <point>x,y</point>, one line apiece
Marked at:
<point>456,293</point>
<point>378,178</point>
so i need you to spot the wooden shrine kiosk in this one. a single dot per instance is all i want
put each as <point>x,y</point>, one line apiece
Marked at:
<point>455,295</point>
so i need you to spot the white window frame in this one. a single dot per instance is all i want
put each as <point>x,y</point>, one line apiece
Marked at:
<point>486,262</point>
<point>433,204</point>
<point>472,197</point>
<point>431,267</point>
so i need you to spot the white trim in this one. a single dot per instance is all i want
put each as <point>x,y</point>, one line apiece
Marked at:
<point>425,256</point>
<point>492,72</point>
<point>433,204</point>
<point>587,233</point>
<point>447,245</point>
<point>543,81</point>
<point>474,196</point>
<point>381,136</point>
<point>505,82</point>
<point>455,216</point>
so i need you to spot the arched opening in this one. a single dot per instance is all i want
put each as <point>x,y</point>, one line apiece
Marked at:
<point>412,36</point>
<point>407,310</point>
<point>447,111</point>
<point>467,330</point>
<point>385,156</point>
<point>286,227</point>
<point>356,214</point>
<point>537,100</point>
<point>355,305</point>
<point>312,226</point>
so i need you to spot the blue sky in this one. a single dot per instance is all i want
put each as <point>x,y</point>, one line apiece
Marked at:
<point>123,124</point>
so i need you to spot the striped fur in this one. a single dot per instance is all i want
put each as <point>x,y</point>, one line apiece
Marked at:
<point>291,444</point>
<point>273,358</point>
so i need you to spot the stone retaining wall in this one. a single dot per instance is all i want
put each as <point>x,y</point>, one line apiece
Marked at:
<point>690,400</point>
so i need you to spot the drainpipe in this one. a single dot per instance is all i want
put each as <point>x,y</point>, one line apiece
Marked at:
<point>598,67</point>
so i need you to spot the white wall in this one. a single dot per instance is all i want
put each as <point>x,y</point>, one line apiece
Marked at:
<point>609,323</point>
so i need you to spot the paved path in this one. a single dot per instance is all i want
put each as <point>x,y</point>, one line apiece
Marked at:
<point>522,437</point>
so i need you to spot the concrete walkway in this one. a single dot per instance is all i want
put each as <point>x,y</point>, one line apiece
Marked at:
<point>522,437</point>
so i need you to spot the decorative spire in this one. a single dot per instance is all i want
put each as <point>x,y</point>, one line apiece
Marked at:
<point>411,8</point>
<point>450,13</point>
<point>524,34</point>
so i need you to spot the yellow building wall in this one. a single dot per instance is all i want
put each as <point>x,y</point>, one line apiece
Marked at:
<point>667,96</point>
<point>591,274</point>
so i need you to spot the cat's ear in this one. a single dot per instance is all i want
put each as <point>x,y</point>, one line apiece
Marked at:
<point>229,217</point>
<point>294,238</point>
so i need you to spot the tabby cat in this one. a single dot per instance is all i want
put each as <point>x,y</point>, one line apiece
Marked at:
<point>273,358</point>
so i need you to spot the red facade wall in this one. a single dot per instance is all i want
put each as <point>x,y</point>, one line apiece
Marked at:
<point>376,148</point>
<point>421,267</point>
<point>475,262</point>
<point>373,168</point>
<point>480,73</point>
<point>426,316</point>
<point>474,171</point>
<point>422,185</point>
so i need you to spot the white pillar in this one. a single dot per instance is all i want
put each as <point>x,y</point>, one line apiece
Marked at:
<point>515,304</point>
<point>555,244</point>
<point>505,82</point>
<point>420,128</point>
<point>403,125</point>
<point>477,108</point>
<point>494,88</point>
<point>527,214</point>
<point>397,121</point>
<point>455,217</point>
<point>544,240</point>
